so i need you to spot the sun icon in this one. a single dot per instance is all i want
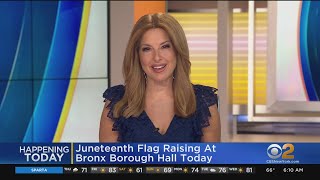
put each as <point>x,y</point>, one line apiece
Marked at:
<point>130,170</point>
<point>185,170</point>
<point>240,170</point>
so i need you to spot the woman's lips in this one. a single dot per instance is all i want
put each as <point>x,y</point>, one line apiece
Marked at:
<point>159,68</point>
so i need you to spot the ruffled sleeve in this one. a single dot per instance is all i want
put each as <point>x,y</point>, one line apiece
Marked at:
<point>206,96</point>
<point>113,94</point>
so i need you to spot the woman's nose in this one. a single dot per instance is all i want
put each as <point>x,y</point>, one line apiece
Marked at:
<point>157,56</point>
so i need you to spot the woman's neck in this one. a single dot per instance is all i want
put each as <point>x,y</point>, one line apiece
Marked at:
<point>164,89</point>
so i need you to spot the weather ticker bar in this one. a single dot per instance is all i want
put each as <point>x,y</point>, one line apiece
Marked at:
<point>160,169</point>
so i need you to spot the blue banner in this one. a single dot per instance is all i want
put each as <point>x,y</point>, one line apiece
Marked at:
<point>160,153</point>
<point>35,153</point>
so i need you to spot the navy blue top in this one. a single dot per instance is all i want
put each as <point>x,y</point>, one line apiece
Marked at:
<point>141,128</point>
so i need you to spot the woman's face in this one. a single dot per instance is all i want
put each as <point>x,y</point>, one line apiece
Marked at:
<point>157,56</point>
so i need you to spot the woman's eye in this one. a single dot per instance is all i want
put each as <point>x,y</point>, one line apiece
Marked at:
<point>166,46</point>
<point>145,49</point>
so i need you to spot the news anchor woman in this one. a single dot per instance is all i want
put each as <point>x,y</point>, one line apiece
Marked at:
<point>158,102</point>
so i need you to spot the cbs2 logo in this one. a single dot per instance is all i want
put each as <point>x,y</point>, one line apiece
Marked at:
<point>274,151</point>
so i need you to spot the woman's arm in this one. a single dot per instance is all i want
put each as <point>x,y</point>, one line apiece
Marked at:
<point>105,130</point>
<point>212,133</point>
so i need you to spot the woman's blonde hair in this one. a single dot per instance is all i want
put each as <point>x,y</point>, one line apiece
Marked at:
<point>132,103</point>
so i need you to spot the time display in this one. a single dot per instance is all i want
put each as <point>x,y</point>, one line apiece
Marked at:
<point>293,170</point>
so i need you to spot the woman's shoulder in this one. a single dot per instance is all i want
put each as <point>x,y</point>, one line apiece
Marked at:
<point>203,89</point>
<point>206,94</point>
<point>114,92</point>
